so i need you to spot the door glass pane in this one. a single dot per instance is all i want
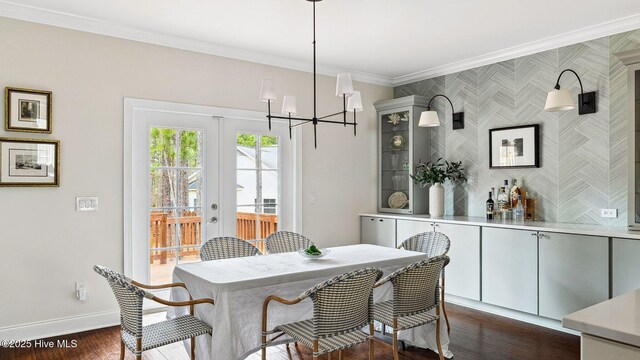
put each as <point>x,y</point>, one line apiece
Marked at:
<point>162,147</point>
<point>163,186</point>
<point>189,188</point>
<point>176,199</point>
<point>190,148</point>
<point>257,186</point>
<point>162,264</point>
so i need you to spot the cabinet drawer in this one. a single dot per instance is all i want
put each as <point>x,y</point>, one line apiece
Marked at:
<point>378,231</point>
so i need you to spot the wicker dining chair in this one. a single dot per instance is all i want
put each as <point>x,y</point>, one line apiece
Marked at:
<point>342,306</point>
<point>286,241</point>
<point>226,247</point>
<point>415,293</point>
<point>433,244</point>
<point>138,338</point>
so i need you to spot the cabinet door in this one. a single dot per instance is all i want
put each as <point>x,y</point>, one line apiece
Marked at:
<point>408,228</point>
<point>574,273</point>
<point>462,275</point>
<point>626,265</point>
<point>510,269</point>
<point>378,231</point>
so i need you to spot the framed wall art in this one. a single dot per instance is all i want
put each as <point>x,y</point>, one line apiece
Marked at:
<point>27,110</point>
<point>29,162</point>
<point>514,147</point>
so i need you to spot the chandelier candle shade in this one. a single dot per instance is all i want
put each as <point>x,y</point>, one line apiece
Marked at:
<point>562,100</point>
<point>351,100</point>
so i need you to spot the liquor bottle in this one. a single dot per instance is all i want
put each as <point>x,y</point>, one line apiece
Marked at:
<point>503,199</point>
<point>519,213</point>
<point>528,206</point>
<point>514,193</point>
<point>490,207</point>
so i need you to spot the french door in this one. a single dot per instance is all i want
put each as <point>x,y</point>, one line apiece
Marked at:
<point>195,172</point>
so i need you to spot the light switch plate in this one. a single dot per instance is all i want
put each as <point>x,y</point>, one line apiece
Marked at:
<point>609,213</point>
<point>87,203</point>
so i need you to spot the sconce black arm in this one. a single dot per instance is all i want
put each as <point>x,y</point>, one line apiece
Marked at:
<point>557,87</point>
<point>458,118</point>
<point>586,101</point>
<point>444,96</point>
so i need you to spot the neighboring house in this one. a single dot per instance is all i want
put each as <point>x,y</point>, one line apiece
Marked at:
<point>247,179</point>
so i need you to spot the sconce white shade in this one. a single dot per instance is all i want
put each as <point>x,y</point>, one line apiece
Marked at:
<point>559,100</point>
<point>268,90</point>
<point>289,105</point>
<point>355,102</point>
<point>344,85</point>
<point>429,118</point>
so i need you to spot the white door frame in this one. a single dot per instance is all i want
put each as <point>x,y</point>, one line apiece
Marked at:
<point>132,104</point>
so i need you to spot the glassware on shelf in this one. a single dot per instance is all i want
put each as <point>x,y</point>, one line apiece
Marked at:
<point>397,181</point>
<point>395,158</point>
<point>397,142</point>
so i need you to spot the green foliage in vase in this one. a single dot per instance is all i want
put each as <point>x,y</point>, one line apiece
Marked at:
<point>428,173</point>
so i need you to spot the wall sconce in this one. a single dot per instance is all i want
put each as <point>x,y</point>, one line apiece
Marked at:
<point>561,100</point>
<point>429,118</point>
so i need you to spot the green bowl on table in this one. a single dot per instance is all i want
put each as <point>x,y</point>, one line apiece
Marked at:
<point>313,252</point>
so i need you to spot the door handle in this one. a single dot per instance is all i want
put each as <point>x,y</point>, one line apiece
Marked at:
<point>213,220</point>
<point>214,206</point>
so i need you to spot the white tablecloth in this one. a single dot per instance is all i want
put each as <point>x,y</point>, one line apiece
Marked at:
<point>239,287</point>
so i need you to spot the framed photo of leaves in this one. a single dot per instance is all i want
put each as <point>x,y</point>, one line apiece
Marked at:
<point>27,110</point>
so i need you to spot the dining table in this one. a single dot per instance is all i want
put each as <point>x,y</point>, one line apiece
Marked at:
<point>239,286</point>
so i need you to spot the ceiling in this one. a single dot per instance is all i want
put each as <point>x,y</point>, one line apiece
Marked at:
<point>383,40</point>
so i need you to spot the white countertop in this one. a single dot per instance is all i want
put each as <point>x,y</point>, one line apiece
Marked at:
<point>617,319</point>
<point>582,229</point>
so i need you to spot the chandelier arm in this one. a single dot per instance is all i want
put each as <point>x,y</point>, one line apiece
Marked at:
<point>344,109</point>
<point>334,122</point>
<point>354,122</point>
<point>287,117</point>
<point>334,114</point>
<point>557,87</point>
<point>302,123</point>
<point>269,110</point>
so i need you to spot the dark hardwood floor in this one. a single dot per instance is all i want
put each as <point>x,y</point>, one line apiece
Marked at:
<point>474,336</point>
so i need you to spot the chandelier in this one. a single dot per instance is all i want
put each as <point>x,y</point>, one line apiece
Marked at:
<point>351,100</point>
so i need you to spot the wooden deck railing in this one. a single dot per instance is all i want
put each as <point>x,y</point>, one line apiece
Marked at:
<point>163,229</point>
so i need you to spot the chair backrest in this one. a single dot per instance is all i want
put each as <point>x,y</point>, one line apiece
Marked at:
<point>431,243</point>
<point>286,241</point>
<point>129,299</point>
<point>416,286</point>
<point>344,303</point>
<point>226,248</point>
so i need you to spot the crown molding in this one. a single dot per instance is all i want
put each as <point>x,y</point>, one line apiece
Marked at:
<point>573,37</point>
<point>59,19</point>
<point>12,10</point>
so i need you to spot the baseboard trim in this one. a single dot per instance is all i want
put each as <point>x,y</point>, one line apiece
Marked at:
<point>511,314</point>
<point>62,326</point>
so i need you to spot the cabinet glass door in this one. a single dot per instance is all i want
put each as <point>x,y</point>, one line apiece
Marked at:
<point>395,145</point>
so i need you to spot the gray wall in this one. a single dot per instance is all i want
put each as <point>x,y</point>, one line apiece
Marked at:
<point>583,158</point>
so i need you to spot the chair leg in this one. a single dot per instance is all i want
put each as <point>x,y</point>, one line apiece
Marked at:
<point>444,311</point>
<point>339,354</point>
<point>438,337</point>
<point>193,348</point>
<point>315,349</point>
<point>330,356</point>
<point>371,330</point>
<point>139,348</point>
<point>121,349</point>
<point>395,338</point>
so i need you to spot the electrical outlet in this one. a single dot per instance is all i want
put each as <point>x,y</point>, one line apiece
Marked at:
<point>609,213</point>
<point>81,290</point>
<point>87,203</point>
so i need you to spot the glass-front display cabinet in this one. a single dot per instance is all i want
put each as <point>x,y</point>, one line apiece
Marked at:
<point>634,147</point>
<point>401,145</point>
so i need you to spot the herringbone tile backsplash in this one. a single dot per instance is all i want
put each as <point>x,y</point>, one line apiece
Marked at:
<point>583,158</point>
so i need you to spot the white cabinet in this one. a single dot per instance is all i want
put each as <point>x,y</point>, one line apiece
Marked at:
<point>510,268</point>
<point>574,273</point>
<point>462,275</point>
<point>463,272</point>
<point>626,265</point>
<point>408,228</point>
<point>378,231</point>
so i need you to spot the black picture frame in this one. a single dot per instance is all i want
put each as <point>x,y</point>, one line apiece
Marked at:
<point>532,133</point>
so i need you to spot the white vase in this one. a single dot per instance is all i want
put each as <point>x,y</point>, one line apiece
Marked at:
<point>436,200</point>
